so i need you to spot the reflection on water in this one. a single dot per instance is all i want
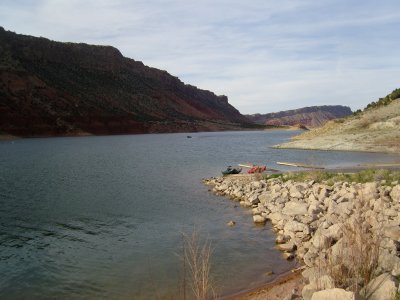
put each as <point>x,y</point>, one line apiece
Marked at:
<point>102,217</point>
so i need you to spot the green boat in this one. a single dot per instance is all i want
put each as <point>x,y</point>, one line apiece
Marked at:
<point>231,170</point>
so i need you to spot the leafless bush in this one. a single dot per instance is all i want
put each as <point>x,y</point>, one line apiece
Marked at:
<point>353,261</point>
<point>197,259</point>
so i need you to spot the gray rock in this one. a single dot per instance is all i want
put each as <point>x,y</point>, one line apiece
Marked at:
<point>334,294</point>
<point>287,247</point>
<point>308,291</point>
<point>294,226</point>
<point>311,274</point>
<point>309,258</point>
<point>392,232</point>
<point>231,223</point>
<point>288,255</point>
<point>382,287</point>
<point>257,184</point>
<point>389,262</point>
<point>264,197</point>
<point>280,239</point>
<point>395,193</point>
<point>390,212</point>
<point>276,217</point>
<point>259,219</point>
<point>295,208</point>
<point>254,199</point>
<point>296,191</point>
<point>245,204</point>
<point>344,208</point>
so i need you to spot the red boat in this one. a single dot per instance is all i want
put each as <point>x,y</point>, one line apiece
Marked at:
<point>257,169</point>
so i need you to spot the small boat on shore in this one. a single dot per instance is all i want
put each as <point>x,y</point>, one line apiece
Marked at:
<point>257,169</point>
<point>229,170</point>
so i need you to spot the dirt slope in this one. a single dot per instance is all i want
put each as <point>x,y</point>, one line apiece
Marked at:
<point>374,130</point>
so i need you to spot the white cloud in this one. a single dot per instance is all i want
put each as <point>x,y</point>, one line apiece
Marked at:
<point>265,55</point>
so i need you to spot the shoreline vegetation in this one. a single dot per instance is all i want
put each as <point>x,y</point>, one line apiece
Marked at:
<point>343,228</point>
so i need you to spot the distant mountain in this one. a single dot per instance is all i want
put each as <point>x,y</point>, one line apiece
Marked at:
<point>53,88</point>
<point>375,129</point>
<point>314,116</point>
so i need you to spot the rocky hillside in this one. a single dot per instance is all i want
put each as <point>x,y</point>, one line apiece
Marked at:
<point>314,116</point>
<point>52,88</point>
<point>375,129</point>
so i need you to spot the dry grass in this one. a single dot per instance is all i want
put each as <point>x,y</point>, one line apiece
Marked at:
<point>353,261</point>
<point>197,259</point>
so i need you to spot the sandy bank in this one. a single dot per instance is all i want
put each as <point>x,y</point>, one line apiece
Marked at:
<point>287,286</point>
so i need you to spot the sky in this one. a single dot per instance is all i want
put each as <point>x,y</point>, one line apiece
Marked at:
<point>265,55</point>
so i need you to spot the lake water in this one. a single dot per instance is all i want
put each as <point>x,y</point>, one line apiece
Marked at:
<point>103,217</point>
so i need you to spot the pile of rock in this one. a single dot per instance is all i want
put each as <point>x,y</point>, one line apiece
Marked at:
<point>316,223</point>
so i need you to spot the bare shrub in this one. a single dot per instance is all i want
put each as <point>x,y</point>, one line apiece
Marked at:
<point>197,259</point>
<point>353,261</point>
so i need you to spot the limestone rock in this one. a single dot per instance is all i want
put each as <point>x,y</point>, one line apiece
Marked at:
<point>334,294</point>
<point>308,291</point>
<point>295,208</point>
<point>392,232</point>
<point>287,247</point>
<point>395,194</point>
<point>382,287</point>
<point>231,223</point>
<point>259,219</point>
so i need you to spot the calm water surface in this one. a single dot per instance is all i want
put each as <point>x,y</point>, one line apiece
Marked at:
<point>102,217</point>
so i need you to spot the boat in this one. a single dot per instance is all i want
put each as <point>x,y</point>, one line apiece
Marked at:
<point>257,169</point>
<point>229,170</point>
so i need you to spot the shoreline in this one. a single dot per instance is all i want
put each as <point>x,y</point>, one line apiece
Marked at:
<point>7,137</point>
<point>310,215</point>
<point>283,285</point>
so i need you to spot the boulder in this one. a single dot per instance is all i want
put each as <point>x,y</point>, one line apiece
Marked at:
<point>308,291</point>
<point>392,232</point>
<point>389,262</point>
<point>390,212</point>
<point>231,223</point>
<point>334,294</point>
<point>281,239</point>
<point>382,287</point>
<point>287,247</point>
<point>276,217</point>
<point>311,274</point>
<point>264,197</point>
<point>295,208</point>
<point>344,208</point>
<point>257,184</point>
<point>294,226</point>
<point>259,219</point>
<point>254,199</point>
<point>309,258</point>
<point>395,193</point>
<point>295,193</point>
<point>370,191</point>
<point>323,282</point>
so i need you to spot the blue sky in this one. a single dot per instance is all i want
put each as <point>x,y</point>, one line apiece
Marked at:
<point>265,55</point>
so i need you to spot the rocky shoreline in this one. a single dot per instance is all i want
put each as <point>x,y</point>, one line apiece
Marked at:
<point>347,234</point>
